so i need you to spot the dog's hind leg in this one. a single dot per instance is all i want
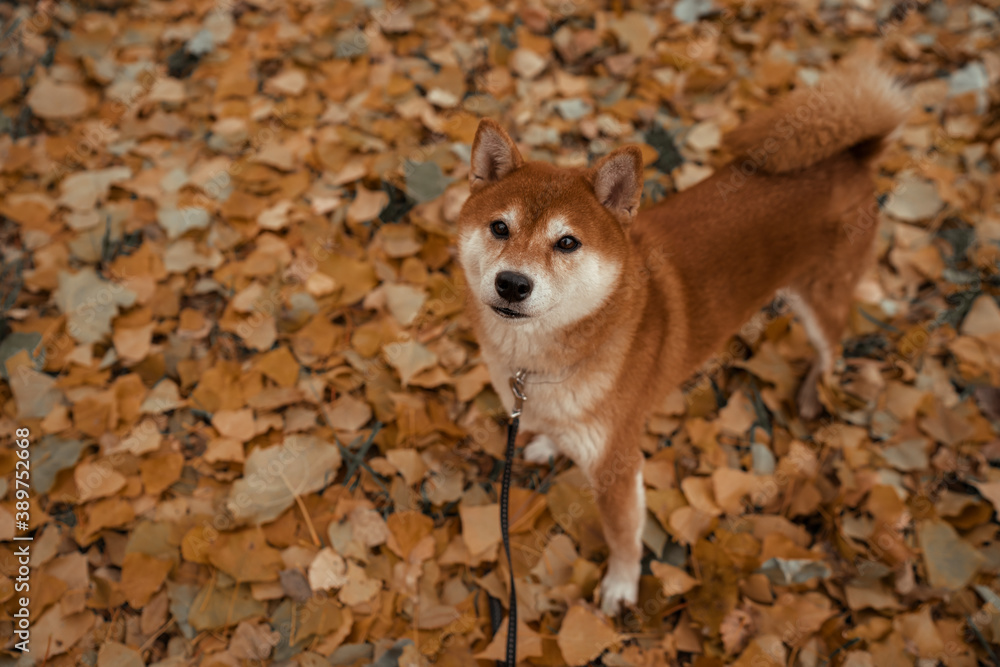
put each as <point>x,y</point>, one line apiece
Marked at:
<point>821,298</point>
<point>823,328</point>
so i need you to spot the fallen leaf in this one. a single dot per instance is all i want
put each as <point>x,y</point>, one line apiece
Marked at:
<point>245,556</point>
<point>50,99</point>
<point>273,476</point>
<point>328,570</point>
<point>675,580</point>
<point>349,413</point>
<point>235,424</point>
<point>253,641</point>
<point>133,344</point>
<point>367,205</point>
<point>36,394</point>
<point>90,303</point>
<point>142,576</point>
<point>983,318</point>
<point>480,527</point>
<point>529,643</point>
<point>913,199</point>
<point>97,480</point>
<point>113,654</point>
<point>951,561</point>
<point>409,358</point>
<point>584,635</point>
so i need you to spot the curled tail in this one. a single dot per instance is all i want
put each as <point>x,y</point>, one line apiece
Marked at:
<point>850,109</point>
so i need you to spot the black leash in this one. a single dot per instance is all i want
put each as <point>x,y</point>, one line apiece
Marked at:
<point>516,386</point>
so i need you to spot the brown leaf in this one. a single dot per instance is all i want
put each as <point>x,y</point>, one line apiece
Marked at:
<point>349,413</point>
<point>253,641</point>
<point>990,491</point>
<point>160,472</point>
<point>675,580</point>
<point>951,561</point>
<point>97,479</point>
<point>246,556</point>
<point>529,643</point>
<point>59,632</point>
<point>328,570</point>
<point>53,100</point>
<point>113,654</point>
<point>983,319</point>
<point>142,576</point>
<point>235,424</point>
<point>480,527</point>
<point>406,530</point>
<point>409,358</point>
<point>584,635</point>
<point>273,476</point>
<point>133,344</point>
<point>366,205</point>
<point>736,630</point>
<point>710,603</point>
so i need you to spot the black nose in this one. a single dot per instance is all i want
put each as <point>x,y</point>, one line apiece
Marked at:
<point>513,286</point>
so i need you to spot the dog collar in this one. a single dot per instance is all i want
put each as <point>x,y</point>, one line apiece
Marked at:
<point>517,388</point>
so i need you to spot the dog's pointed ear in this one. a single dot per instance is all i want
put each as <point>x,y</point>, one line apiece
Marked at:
<point>494,155</point>
<point>617,182</point>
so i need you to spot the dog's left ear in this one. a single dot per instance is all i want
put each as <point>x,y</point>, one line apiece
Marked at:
<point>617,182</point>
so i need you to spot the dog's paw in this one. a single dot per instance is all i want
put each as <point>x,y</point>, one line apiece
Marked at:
<point>618,590</point>
<point>540,450</point>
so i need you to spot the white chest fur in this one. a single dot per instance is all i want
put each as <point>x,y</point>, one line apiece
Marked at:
<point>563,404</point>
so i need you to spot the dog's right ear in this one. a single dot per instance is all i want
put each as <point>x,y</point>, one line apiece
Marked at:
<point>494,155</point>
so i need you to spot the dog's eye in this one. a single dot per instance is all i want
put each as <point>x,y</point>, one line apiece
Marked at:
<point>567,244</point>
<point>499,229</point>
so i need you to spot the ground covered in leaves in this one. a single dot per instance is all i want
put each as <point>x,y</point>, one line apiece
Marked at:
<point>260,428</point>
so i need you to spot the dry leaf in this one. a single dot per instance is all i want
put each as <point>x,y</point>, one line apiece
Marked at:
<point>53,100</point>
<point>273,476</point>
<point>480,527</point>
<point>584,635</point>
<point>529,643</point>
<point>328,570</point>
<point>951,562</point>
<point>675,580</point>
<point>220,261</point>
<point>409,358</point>
<point>90,304</point>
<point>113,654</point>
<point>245,556</point>
<point>97,480</point>
<point>142,576</point>
<point>349,413</point>
<point>235,424</point>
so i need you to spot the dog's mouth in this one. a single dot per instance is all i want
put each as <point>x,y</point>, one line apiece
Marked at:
<point>508,314</point>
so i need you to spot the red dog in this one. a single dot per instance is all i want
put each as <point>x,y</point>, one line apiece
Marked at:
<point>608,308</point>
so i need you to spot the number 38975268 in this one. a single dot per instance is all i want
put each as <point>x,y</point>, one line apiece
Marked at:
<point>22,474</point>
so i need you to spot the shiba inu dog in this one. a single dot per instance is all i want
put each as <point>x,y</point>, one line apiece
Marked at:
<point>608,308</point>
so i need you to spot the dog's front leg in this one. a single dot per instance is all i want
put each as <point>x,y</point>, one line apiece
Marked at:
<point>540,448</point>
<point>621,501</point>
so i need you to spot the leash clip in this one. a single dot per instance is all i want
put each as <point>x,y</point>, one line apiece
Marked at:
<point>517,388</point>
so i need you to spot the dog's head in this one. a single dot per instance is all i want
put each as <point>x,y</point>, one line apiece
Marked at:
<point>540,243</point>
